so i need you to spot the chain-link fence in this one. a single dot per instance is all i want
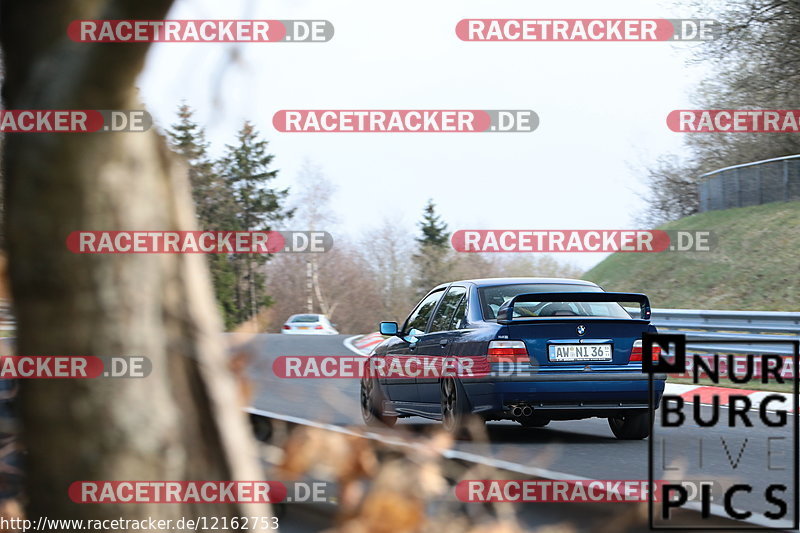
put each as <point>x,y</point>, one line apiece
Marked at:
<point>761,182</point>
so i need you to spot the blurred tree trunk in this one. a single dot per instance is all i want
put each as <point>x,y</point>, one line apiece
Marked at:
<point>183,422</point>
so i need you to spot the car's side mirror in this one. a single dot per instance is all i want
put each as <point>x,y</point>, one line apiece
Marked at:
<point>389,328</point>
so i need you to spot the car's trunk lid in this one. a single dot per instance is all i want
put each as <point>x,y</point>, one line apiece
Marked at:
<point>575,342</point>
<point>559,342</point>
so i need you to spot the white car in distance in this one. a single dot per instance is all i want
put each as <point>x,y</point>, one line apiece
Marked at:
<point>309,324</point>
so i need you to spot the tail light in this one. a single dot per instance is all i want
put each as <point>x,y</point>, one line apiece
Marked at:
<point>318,326</point>
<point>507,352</point>
<point>636,352</point>
<point>287,327</point>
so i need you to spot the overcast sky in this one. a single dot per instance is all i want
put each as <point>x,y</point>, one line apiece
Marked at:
<point>602,108</point>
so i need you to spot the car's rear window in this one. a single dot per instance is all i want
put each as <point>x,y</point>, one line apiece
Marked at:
<point>305,318</point>
<point>493,297</point>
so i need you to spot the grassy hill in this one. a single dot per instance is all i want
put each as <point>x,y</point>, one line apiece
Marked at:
<point>754,266</point>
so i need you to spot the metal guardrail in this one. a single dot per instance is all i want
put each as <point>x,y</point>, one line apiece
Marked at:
<point>712,325</point>
<point>759,182</point>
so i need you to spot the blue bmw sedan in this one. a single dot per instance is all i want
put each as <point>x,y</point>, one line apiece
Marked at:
<point>530,350</point>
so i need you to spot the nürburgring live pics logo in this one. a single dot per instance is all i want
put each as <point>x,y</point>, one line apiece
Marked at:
<point>752,433</point>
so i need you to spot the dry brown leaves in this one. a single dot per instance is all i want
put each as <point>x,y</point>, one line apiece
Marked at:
<point>10,509</point>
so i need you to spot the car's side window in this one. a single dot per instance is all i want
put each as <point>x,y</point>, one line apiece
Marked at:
<point>444,315</point>
<point>460,316</point>
<point>419,317</point>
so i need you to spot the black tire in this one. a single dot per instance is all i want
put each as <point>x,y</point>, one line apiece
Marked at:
<point>372,405</point>
<point>534,421</point>
<point>631,427</point>
<point>457,417</point>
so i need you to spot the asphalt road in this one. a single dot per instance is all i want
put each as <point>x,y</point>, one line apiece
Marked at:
<point>583,448</point>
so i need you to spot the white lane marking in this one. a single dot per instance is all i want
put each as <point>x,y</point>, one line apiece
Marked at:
<point>348,343</point>
<point>678,388</point>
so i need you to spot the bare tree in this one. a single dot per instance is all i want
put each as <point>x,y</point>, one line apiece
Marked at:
<point>754,65</point>
<point>351,292</point>
<point>312,211</point>
<point>388,251</point>
<point>671,193</point>
<point>183,421</point>
<point>540,266</point>
<point>498,265</point>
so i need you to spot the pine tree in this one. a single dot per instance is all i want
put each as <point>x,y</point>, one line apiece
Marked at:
<point>216,210</point>
<point>187,138</point>
<point>434,230</point>
<point>247,172</point>
<point>432,259</point>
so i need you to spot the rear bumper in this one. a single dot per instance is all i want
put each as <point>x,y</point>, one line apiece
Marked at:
<point>565,395</point>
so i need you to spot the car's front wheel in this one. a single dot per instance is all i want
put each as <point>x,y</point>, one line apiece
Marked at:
<point>372,405</point>
<point>631,427</point>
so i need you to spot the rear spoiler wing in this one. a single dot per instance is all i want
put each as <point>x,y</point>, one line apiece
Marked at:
<point>506,312</point>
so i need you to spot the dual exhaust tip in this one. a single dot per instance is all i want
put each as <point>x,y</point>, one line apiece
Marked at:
<point>521,411</point>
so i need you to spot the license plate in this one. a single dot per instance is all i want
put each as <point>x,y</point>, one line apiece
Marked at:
<point>580,352</point>
<point>303,327</point>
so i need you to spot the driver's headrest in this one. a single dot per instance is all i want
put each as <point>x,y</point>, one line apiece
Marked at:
<point>497,300</point>
<point>556,309</point>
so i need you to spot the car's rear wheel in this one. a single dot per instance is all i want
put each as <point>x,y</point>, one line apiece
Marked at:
<point>631,427</point>
<point>457,417</point>
<point>372,405</point>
